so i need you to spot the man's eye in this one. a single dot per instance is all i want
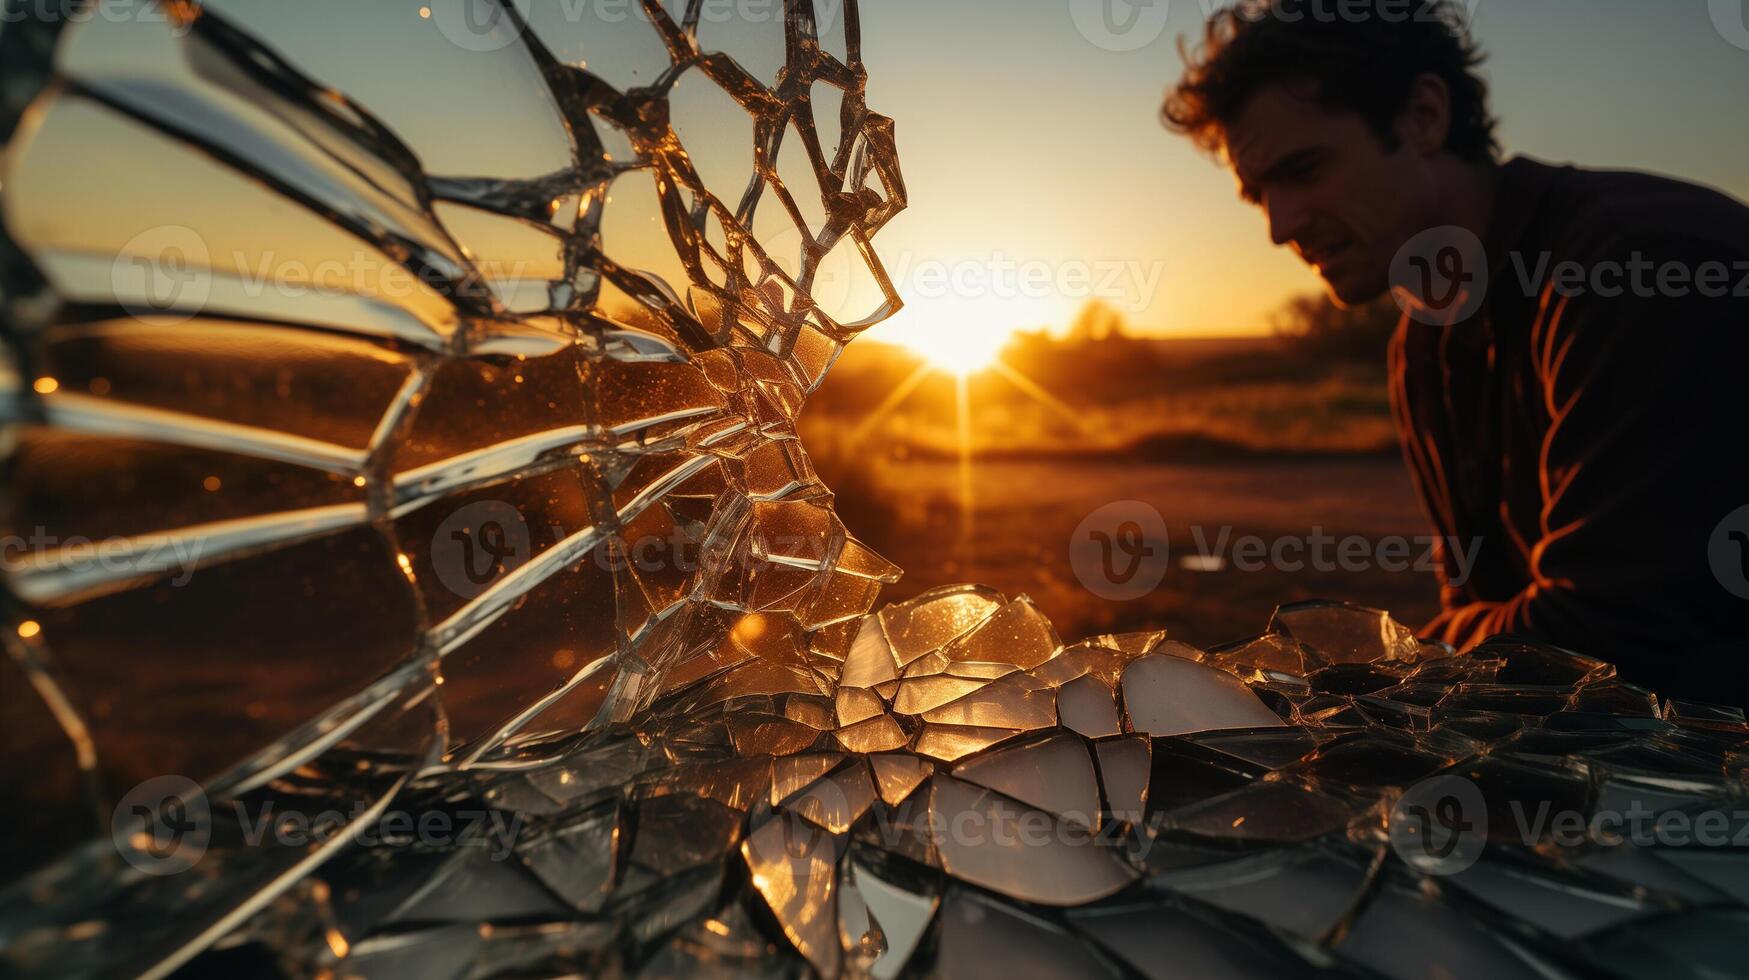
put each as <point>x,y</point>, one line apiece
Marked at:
<point>1301,173</point>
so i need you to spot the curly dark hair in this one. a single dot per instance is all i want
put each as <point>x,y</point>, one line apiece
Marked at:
<point>1363,55</point>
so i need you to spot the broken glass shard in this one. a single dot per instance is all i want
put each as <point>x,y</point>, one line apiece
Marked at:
<point>896,775</point>
<point>1169,696</point>
<point>1054,774</point>
<point>1345,633</point>
<point>1086,705</point>
<point>904,914</point>
<point>793,867</point>
<point>1008,847</point>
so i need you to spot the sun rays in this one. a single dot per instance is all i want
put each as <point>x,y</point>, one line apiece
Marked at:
<point>960,355</point>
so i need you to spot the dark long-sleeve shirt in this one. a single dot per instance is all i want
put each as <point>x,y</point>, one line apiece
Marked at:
<point>1593,443</point>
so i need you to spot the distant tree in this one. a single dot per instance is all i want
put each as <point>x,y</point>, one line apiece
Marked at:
<point>1312,324</point>
<point>1098,320</point>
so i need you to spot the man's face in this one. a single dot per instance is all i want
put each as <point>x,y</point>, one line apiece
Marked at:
<point>1328,187</point>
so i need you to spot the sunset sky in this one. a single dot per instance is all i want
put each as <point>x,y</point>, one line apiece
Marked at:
<point>1037,167</point>
<point>1019,136</point>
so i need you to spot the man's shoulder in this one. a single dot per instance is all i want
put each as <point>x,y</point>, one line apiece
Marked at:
<point>1584,211</point>
<point>1632,250</point>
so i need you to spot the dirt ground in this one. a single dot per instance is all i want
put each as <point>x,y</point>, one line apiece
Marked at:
<point>1017,536</point>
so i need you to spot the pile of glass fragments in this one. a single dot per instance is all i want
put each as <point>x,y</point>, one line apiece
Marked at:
<point>421,576</point>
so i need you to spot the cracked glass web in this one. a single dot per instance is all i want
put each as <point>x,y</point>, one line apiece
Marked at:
<point>415,522</point>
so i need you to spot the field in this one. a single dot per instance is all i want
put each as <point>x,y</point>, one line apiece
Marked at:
<point>1244,445</point>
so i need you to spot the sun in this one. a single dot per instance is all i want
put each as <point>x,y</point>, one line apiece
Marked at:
<point>960,350</point>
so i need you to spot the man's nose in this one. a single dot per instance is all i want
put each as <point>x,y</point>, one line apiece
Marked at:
<point>1286,218</point>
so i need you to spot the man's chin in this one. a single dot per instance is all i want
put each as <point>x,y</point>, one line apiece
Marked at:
<point>1349,292</point>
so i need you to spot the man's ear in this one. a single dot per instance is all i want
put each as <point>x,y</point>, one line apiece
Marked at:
<point>1426,120</point>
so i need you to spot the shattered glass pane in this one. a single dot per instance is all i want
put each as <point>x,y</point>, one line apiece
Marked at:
<point>1347,634</point>
<point>1014,849</point>
<point>466,605</point>
<point>1169,696</point>
<point>902,905</point>
<point>1054,774</point>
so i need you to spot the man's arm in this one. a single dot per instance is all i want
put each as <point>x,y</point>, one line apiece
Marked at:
<point>1649,392</point>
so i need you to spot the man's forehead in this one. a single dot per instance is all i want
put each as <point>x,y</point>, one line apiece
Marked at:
<point>1275,121</point>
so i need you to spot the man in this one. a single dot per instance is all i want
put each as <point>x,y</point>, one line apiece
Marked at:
<point>1572,381</point>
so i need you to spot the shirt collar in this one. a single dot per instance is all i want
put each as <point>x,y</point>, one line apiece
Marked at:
<point>1519,189</point>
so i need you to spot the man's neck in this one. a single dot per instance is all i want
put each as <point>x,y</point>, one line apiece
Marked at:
<point>1469,201</point>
